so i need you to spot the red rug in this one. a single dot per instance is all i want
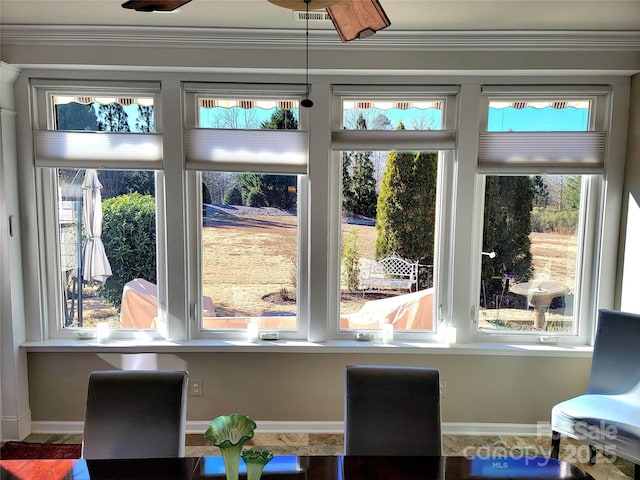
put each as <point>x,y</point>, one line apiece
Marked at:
<point>19,450</point>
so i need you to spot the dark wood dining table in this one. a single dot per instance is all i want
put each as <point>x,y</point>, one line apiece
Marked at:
<point>284,467</point>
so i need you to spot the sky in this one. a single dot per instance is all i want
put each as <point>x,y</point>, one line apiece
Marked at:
<point>538,119</point>
<point>499,119</point>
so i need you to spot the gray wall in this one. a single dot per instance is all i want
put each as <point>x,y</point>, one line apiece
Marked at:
<point>629,255</point>
<point>309,386</point>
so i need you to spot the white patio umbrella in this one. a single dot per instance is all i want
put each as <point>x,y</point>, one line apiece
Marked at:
<point>95,263</point>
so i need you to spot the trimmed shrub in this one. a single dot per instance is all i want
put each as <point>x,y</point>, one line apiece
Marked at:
<point>129,237</point>
<point>351,261</point>
<point>233,196</point>
<point>255,198</point>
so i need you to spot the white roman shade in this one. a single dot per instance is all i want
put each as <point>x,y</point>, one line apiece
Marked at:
<point>262,151</point>
<point>55,148</point>
<point>542,152</point>
<point>399,140</point>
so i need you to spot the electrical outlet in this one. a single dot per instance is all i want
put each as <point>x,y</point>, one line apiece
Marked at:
<point>443,389</point>
<point>195,387</point>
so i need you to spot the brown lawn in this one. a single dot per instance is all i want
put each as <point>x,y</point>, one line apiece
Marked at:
<point>249,266</point>
<point>554,258</point>
<point>243,264</point>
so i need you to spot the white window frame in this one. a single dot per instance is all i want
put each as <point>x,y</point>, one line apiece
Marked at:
<point>47,201</point>
<point>459,236</point>
<point>593,196</point>
<point>194,208</point>
<point>443,141</point>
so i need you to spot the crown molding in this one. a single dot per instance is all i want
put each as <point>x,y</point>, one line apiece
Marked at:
<point>182,37</point>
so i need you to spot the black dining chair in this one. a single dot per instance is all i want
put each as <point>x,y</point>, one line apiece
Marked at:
<point>392,410</point>
<point>135,414</point>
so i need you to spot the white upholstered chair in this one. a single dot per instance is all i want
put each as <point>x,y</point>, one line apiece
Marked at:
<point>607,416</point>
<point>392,410</point>
<point>135,414</point>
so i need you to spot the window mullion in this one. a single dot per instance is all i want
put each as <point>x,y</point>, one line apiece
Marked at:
<point>321,199</point>
<point>466,223</point>
<point>172,265</point>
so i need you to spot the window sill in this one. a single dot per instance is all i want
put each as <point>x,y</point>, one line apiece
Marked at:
<point>283,346</point>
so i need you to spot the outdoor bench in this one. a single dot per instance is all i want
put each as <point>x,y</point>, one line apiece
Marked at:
<point>393,272</point>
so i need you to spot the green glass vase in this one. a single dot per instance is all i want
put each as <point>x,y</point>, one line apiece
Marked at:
<point>255,460</point>
<point>229,433</point>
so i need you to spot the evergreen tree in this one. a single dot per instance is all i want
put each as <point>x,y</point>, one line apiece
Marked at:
<point>233,196</point>
<point>507,226</point>
<point>423,207</point>
<point>407,206</point>
<point>251,187</point>
<point>365,198</point>
<point>144,122</point>
<point>347,183</point>
<point>574,185</point>
<point>393,222</point>
<point>281,119</point>
<point>206,196</point>
<point>140,181</point>
<point>261,190</point>
<point>76,116</point>
<point>358,180</point>
<point>351,261</point>
<point>541,192</point>
<point>113,118</point>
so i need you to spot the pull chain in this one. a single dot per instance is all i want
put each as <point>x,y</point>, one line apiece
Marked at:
<point>307,103</point>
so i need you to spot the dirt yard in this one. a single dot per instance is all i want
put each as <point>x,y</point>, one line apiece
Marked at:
<point>554,258</point>
<point>242,264</point>
<point>261,256</point>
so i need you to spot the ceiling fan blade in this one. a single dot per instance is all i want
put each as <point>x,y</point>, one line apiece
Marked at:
<point>358,18</point>
<point>154,5</point>
<point>301,4</point>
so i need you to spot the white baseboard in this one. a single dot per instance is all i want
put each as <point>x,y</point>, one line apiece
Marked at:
<point>57,427</point>
<point>266,426</point>
<point>517,429</point>
<point>16,428</point>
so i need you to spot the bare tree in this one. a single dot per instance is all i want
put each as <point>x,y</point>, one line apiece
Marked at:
<point>236,117</point>
<point>218,183</point>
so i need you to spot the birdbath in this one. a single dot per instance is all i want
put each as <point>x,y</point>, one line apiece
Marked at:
<point>539,296</point>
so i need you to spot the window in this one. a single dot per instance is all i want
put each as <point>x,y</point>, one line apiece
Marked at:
<point>529,259</point>
<point>100,223</point>
<point>398,208</point>
<point>543,160</point>
<point>390,204</point>
<point>248,153</point>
